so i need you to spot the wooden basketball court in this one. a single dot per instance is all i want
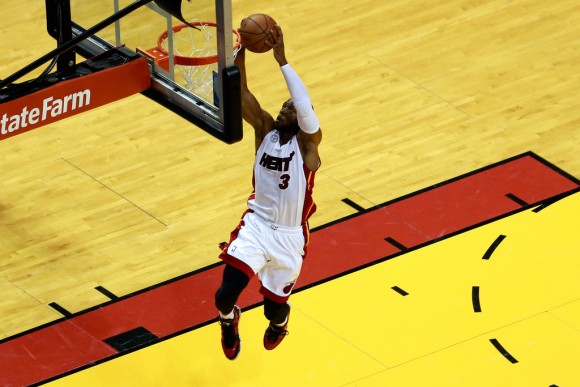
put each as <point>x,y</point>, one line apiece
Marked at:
<point>444,251</point>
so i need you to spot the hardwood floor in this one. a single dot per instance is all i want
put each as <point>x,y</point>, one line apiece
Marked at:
<point>408,95</point>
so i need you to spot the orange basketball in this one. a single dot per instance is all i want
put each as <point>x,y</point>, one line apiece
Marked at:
<point>254,31</point>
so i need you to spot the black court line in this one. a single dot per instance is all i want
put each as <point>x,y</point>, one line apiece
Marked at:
<point>493,246</point>
<point>60,309</point>
<point>557,198</point>
<point>400,291</point>
<point>502,350</point>
<point>553,167</point>
<point>353,205</point>
<point>475,299</point>
<point>121,298</point>
<point>396,243</point>
<point>106,292</point>
<point>520,201</point>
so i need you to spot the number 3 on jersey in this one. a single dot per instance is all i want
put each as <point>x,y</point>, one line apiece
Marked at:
<point>285,178</point>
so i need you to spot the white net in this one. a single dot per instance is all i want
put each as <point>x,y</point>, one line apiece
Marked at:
<point>193,43</point>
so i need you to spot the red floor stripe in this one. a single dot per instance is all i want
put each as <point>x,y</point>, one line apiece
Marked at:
<point>187,302</point>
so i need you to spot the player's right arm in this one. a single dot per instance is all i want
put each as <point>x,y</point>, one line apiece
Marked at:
<point>310,135</point>
<point>252,112</point>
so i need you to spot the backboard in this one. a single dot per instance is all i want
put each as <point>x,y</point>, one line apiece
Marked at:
<point>207,95</point>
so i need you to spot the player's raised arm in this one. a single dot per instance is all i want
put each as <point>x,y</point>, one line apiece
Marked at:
<point>252,112</point>
<point>310,134</point>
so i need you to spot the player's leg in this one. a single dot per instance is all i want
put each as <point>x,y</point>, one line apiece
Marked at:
<point>278,313</point>
<point>278,279</point>
<point>243,257</point>
<point>234,282</point>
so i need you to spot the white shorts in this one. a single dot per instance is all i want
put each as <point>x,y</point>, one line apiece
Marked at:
<point>275,253</point>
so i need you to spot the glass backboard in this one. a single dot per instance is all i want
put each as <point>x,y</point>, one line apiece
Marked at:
<point>207,94</point>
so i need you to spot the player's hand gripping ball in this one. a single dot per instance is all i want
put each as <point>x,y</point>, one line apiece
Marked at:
<point>255,30</point>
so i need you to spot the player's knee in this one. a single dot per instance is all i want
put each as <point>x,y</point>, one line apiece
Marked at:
<point>233,283</point>
<point>225,299</point>
<point>275,311</point>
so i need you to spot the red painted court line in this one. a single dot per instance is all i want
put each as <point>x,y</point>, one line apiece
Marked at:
<point>187,302</point>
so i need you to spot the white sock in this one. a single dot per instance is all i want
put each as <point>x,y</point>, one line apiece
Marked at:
<point>228,316</point>
<point>281,325</point>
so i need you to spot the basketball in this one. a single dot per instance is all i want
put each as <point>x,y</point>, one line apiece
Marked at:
<point>255,30</point>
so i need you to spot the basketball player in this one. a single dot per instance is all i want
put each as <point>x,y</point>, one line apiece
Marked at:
<point>272,236</point>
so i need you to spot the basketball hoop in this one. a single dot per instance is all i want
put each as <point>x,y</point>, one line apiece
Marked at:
<point>195,55</point>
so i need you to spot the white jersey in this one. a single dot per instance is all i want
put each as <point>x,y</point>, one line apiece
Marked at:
<point>282,183</point>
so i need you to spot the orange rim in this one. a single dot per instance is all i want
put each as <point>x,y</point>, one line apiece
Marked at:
<point>189,60</point>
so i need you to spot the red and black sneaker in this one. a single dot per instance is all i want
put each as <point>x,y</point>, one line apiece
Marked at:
<point>231,343</point>
<point>274,335</point>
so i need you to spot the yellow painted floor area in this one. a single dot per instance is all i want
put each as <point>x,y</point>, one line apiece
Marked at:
<point>358,331</point>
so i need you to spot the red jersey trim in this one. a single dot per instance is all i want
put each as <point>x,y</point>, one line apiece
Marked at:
<point>274,297</point>
<point>241,266</point>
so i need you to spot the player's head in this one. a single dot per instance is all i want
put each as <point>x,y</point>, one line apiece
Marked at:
<point>287,121</point>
